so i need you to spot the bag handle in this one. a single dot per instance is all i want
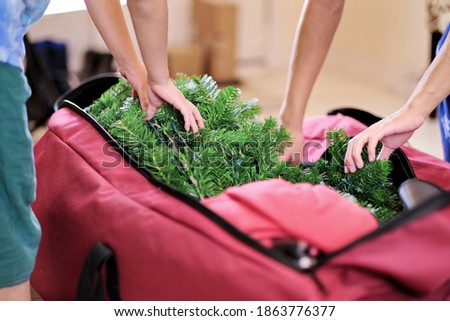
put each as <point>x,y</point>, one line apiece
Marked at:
<point>100,266</point>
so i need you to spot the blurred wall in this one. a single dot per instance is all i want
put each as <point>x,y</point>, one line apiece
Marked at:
<point>387,39</point>
<point>77,30</point>
<point>391,32</point>
<point>375,36</point>
<point>384,40</point>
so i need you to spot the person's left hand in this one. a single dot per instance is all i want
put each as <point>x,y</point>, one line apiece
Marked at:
<point>393,131</point>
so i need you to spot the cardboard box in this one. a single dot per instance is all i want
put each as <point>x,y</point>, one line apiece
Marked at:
<point>215,32</point>
<point>187,60</point>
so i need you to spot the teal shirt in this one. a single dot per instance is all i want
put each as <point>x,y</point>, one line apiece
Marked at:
<point>16,16</point>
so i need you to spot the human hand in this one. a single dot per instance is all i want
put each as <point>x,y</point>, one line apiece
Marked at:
<point>168,92</point>
<point>151,96</point>
<point>294,153</point>
<point>137,76</point>
<point>393,131</point>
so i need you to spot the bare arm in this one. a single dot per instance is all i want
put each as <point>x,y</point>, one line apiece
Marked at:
<point>110,22</point>
<point>150,24</point>
<point>394,130</point>
<point>316,28</point>
<point>434,86</point>
<point>150,80</point>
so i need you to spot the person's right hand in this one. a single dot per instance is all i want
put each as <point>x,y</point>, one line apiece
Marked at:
<point>137,76</point>
<point>393,131</point>
<point>168,92</point>
<point>152,96</point>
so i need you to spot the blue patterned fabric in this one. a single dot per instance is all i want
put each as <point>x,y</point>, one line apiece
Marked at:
<point>16,16</point>
<point>444,111</point>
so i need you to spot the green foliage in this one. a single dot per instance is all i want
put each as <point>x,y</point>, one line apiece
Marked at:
<point>233,149</point>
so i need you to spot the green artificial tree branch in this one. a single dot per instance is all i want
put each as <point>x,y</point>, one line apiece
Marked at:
<point>234,148</point>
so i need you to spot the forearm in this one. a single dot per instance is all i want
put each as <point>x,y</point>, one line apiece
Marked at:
<point>150,19</point>
<point>434,86</point>
<point>316,28</point>
<point>110,22</point>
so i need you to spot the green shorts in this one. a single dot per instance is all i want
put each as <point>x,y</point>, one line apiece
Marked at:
<point>20,231</point>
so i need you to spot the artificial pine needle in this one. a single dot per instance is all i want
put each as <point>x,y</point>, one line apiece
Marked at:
<point>234,148</point>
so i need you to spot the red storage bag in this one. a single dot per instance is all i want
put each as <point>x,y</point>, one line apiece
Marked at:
<point>241,245</point>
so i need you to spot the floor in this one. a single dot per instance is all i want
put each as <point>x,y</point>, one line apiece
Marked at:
<point>336,89</point>
<point>333,89</point>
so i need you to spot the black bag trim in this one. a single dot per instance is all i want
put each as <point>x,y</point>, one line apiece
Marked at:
<point>185,198</point>
<point>62,102</point>
<point>434,203</point>
<point>360,115</point>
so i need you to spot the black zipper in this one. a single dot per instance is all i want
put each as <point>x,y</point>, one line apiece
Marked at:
<point>429,206</point>
<point>434,203</point>
<point>191,201</point>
